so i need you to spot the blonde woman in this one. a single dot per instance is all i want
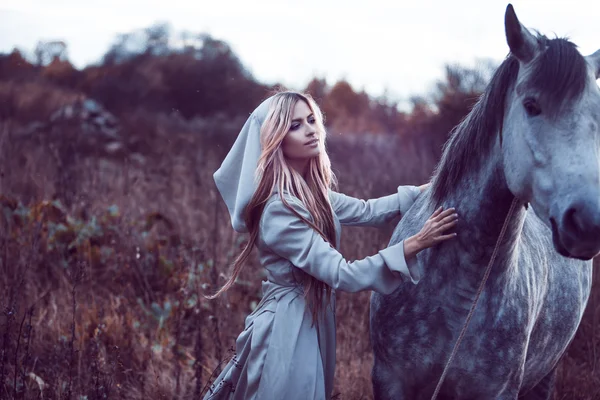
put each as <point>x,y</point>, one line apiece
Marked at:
<point>277,184</point>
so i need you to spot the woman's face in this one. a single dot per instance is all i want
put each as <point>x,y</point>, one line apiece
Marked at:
<point>302,140</point>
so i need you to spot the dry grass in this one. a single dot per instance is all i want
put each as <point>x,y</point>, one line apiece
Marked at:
<point>139,330</point>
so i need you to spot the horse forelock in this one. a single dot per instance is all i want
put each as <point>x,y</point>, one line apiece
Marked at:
<point>559,74</point>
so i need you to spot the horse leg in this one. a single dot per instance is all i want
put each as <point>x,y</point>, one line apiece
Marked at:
<point>543,390</point>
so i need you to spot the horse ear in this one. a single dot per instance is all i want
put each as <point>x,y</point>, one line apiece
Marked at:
<point>520,41</point>
<point>594,60</point>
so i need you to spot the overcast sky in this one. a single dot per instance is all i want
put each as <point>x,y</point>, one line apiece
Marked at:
<point>396,45</point>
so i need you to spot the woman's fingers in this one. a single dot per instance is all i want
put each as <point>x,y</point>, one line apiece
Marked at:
<point>444,228</point>
<point>447,212</point>
<point>440,222</point>
<point>446,237</point>
<point>448,222</point>
<point>436,212</point>
<point>438,216</point>
<point>449,218</point>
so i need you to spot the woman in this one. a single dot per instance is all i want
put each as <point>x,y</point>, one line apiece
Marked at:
<point>276,182</point>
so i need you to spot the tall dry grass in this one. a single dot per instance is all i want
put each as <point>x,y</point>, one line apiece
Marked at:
<point>103,259</point>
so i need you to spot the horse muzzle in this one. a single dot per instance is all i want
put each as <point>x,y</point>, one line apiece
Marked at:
<point>576,230</point>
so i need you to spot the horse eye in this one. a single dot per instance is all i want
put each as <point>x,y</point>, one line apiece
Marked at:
<point>532,107</point>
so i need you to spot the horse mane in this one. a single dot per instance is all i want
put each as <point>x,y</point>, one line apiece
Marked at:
<point>558,75</point>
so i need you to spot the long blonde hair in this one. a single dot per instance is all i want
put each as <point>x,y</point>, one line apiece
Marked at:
<point>274,172</point>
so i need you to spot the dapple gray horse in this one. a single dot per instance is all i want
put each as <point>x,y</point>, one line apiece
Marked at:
<point>532,135</point>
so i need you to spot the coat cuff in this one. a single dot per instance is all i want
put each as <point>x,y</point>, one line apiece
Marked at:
<point>393,257</point>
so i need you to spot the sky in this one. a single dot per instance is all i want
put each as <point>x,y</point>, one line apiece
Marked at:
<point>392,46</point>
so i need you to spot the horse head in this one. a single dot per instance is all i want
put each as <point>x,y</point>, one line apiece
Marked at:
<point>551,139</point>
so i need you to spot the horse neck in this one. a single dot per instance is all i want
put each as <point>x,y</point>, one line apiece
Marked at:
<point>483,201</point>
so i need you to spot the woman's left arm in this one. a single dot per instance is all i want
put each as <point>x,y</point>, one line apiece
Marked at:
<point>374,212</point>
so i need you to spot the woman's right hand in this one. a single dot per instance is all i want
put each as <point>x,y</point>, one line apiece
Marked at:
<point>433,232</point>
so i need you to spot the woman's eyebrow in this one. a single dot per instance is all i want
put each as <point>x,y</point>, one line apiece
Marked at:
<point>300,119</point>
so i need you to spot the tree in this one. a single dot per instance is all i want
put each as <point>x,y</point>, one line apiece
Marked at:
<point>15,66</point>
<point>210,80</point>
<point>318,89</point>
<point>157,39</point>
<point>46,52</point>
<point>453,99</point>
<point>346,100</point>
<point>117,52</point>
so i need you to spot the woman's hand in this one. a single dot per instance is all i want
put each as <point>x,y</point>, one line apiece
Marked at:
<point>432,233</point>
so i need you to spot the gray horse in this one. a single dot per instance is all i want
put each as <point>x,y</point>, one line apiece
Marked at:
<point>533,136</point>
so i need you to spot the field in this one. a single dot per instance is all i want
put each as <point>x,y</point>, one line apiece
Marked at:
<point>105,257</point>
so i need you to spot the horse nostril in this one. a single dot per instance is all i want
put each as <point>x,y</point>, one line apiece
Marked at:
<point>572,222</point>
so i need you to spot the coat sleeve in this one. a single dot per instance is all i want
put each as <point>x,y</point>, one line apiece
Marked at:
<point>373,212</point>
<point>288,236</point>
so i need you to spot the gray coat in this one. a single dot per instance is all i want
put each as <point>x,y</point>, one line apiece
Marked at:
<point>280,354</point>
